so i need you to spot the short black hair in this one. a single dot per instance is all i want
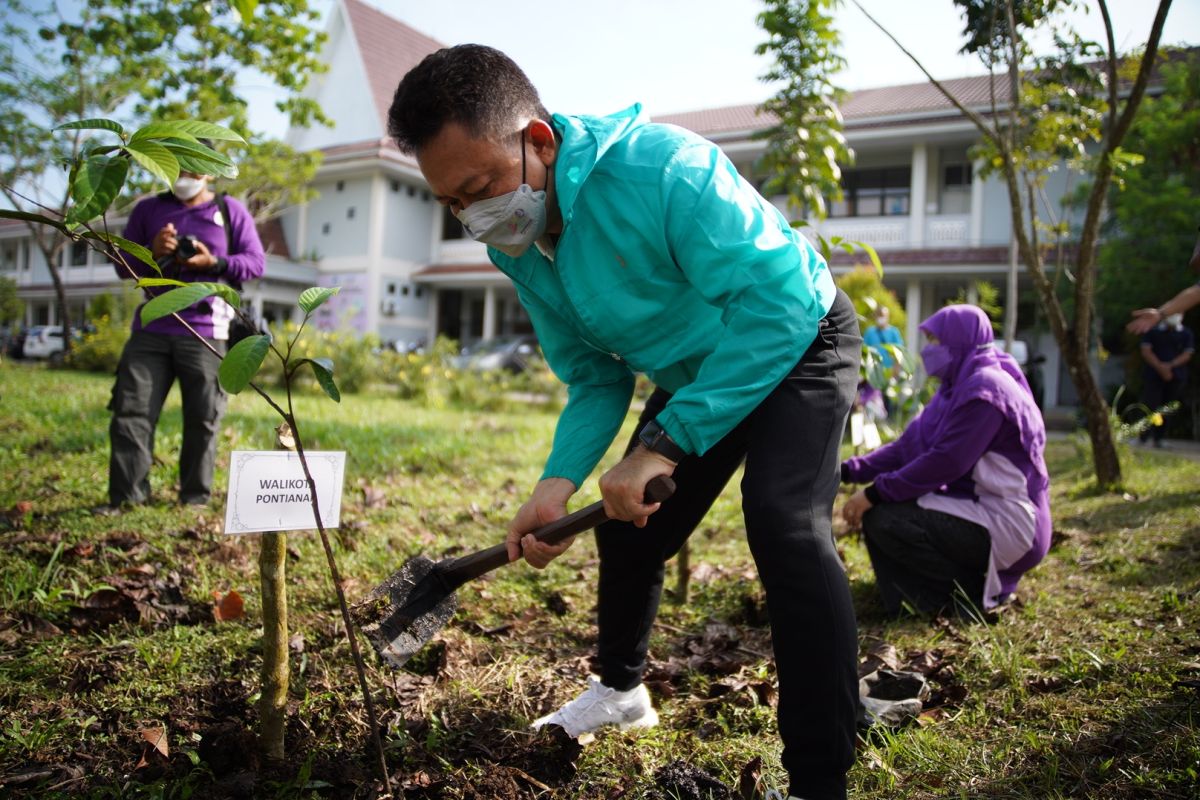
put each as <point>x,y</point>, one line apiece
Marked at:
<point>474,85</point>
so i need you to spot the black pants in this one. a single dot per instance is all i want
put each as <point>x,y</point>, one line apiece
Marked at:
<point>926,558</point>
<point>790,447</point>
<point>149,365</point>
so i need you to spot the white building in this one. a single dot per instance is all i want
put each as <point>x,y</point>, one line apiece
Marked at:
<point>406,273</point>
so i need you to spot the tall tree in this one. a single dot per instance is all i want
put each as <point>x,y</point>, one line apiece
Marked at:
<point>1151,231</point>
<point>805,148</point>
<point>152,59</point>
<point>1066,109</point>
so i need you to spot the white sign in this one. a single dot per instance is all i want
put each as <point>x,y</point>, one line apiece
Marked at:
<point>268,490</point>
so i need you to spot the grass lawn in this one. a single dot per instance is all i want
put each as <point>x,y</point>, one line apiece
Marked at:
<point>1088,687</point>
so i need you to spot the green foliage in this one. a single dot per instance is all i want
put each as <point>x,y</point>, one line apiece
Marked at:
<point>11,307</point>
<point>806,146</point>
<point>988,300</point>
<point>241,363</point>
<point>865,289</point>
<point>272,176</point>
<point>1143,259</point>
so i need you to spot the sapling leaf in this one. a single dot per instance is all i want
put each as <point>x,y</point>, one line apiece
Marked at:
<point>241,363</point>
<point>97,183</point>
<point>176,300</point>
<point>156,159</point>
<point>140,252</point>
<point>190,128</point>
<point>311,299</point>
<point>870,251</point>
<point>28,217</point>
<point>94,124</point>
<point>144,282</point>
<point>245,8</point>
<point>323,369</point>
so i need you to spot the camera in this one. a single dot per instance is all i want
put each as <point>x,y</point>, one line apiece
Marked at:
<point>185,248</point>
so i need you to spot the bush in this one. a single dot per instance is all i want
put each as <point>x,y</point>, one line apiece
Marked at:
<point>866,290</point>
<point>100,350</point>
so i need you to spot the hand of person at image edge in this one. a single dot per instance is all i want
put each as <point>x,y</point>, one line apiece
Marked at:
<point>547,503</point>
<point>624,486</point>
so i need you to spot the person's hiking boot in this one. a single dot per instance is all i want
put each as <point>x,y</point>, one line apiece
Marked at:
<point>600,705</point>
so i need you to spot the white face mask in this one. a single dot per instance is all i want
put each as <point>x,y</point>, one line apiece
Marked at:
<point>509,222</point>
<point>186,188</point>
<point>1175,321</point>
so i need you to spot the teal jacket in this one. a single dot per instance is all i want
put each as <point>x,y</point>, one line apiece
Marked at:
<point>669,263</point>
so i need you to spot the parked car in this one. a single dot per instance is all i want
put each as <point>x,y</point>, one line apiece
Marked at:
<point>44,341</point>
<point>513,353</point>
<point>1030,364</point>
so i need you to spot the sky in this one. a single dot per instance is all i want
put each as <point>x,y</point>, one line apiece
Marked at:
<point>683,55</point>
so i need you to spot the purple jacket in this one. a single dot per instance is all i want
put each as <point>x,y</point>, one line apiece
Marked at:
<point>982,416</point>
<point>210,317</point>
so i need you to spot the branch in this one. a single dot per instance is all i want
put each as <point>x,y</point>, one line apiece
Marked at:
<point>975,118</point>
<point>1111,65</point>
<point>1143,78</point>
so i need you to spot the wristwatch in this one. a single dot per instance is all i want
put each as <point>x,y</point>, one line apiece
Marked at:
<point>655,439</point>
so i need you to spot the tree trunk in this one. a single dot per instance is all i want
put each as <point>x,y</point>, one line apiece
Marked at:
<point>51,253</point>
<point>272,572</point>
<point>272,578</point>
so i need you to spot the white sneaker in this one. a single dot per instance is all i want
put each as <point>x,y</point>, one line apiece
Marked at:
<point>600,705</point>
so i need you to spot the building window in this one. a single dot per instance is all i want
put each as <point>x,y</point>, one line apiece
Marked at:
<point>874,193</point>
<point>395,186</point>
<point>420,291</point>
<point>341,185</point>
<point>79,254</point>
<point>412,191</point>
<point>325,228</point>
<point>451,228</point>
<point>350,212</point>
<point>404,290</point>
<point>8,257</point>
<point>956,188</point>
<point>391,287</point>
<point>425,195</point>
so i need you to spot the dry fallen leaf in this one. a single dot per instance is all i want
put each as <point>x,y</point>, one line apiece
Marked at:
<point>229,607</point>
<point>157,737</point>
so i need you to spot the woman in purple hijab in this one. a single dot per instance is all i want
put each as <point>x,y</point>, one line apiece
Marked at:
<point>958,508</point>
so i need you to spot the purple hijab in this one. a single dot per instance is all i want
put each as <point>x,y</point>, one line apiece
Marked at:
<point>978,371</point>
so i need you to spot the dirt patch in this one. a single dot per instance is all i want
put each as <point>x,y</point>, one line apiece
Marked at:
<point>680,780</point>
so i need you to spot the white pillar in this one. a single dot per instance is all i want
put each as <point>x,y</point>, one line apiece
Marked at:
<point>973,293</point>
<point>917,198</point>
<point>302,248</point>
<point>489,313</point>
<point>375,230</point>
<point>913,314</point>
<point>975,231</point>
<point>431,308</point>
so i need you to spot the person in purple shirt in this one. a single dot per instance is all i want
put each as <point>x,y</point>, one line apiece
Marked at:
<point>193,236</point>
<point>958,508</point>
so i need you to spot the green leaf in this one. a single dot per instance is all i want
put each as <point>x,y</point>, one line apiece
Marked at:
<point>97,183</point>
<point>195,157</point>
<point>323,369</point>
<point>144,282</point>
<point>311,299</point>
<point>158,160</point>
<point>38,218</point>
<point>245,8</point>
<point>92,125</point>
<point>187,128</point>
<point>134,249</point>
<point>871,254</point>
<point>227,293</point>
<point>241,363</point>
<point>176,300</point>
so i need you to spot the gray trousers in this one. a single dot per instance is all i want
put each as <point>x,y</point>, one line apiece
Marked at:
<point>928,558</point>
<point>149,365</point>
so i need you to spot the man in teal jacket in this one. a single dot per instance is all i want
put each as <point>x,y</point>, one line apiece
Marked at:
<point>637,247</point>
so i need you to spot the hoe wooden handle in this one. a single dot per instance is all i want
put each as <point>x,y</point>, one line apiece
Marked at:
<point>472,566</point>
